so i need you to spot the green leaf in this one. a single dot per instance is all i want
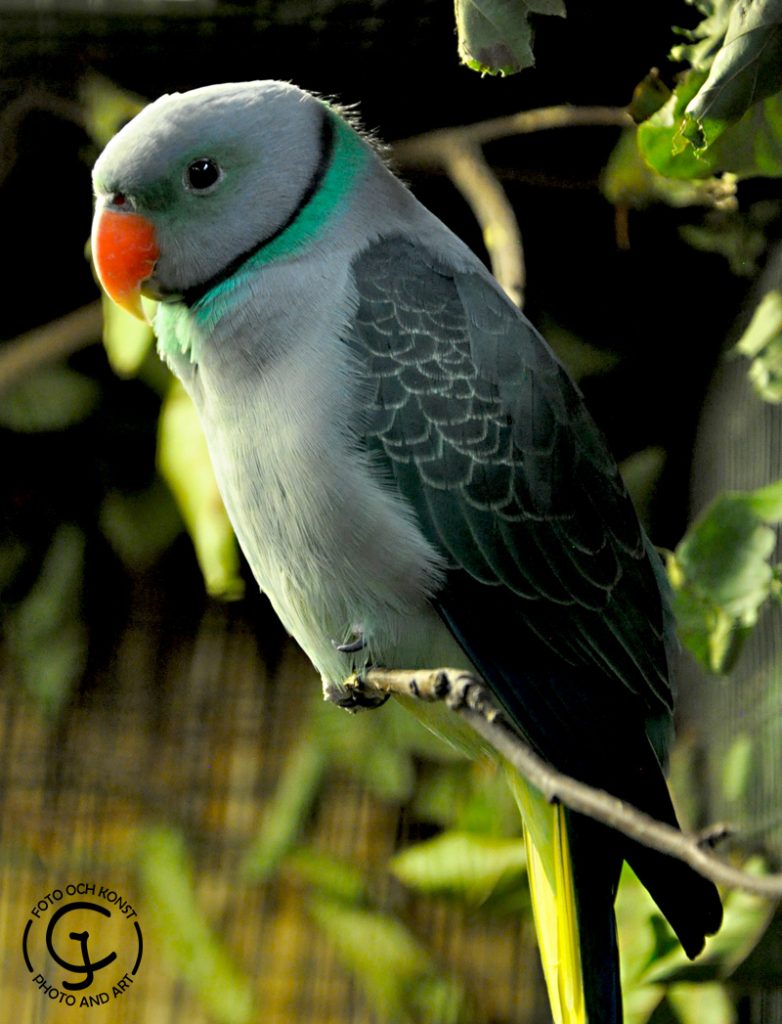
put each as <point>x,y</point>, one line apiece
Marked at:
<point>737,767</point>
<point>182,935</point>
<point>741,237</point>
<point>465,866</point>
<point>706,38</point>
<point>51,398</point>
<point>183,461</point>
<point>46,637</point>
<point>721,573</point>
<point>746,69</point>
<point>628,180</point>
<point>495,36</point>
<point>694,1004</point>
<point>394,969</point>
<point>761,342</point>
<point>749,147</point>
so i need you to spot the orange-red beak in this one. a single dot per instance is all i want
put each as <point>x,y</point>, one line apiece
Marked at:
<point>125,252</point>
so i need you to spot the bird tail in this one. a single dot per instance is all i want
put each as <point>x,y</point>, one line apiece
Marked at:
<point>573,885</point>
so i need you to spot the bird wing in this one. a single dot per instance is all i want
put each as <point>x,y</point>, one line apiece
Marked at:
<point>486,436</point>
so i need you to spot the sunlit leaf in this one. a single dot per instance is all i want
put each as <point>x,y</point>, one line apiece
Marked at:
<point>51,398</point>
<point>46,636</point>
<point>749,147</point>
<point>495,36</point>
<point>695,1004</point>
<point>463,865</point>
<point>183,460</point>
<point>762,343</point>
<point>183,937</point>
<point>393,968</point>
<point>628,180</point>
<point>737,767</point>
<point>746,69</point>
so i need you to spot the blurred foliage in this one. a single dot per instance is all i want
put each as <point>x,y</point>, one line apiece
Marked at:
<point>723,575</point>
<point>181,931</point>
<point>761,342</point>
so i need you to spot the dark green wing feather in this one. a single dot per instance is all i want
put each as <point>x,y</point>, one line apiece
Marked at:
<point>489,440</point>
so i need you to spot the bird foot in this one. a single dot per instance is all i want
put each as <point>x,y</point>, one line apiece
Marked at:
<point>354,695</point>
<point>358,643</point>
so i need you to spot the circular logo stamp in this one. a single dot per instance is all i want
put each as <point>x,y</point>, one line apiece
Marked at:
<point>82,945</point>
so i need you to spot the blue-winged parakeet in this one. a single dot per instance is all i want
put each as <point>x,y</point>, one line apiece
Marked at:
<point>412,475</point>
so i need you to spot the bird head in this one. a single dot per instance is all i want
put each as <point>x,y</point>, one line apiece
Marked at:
<point>197,182</point>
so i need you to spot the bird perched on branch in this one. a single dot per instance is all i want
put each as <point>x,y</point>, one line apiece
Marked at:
<point>412,476</point>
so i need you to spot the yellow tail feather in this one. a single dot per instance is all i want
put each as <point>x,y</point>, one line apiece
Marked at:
<point>553,900</point>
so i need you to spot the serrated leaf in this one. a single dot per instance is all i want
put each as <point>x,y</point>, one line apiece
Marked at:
<point>465,866</point>
<point>46,637</point>
<point>183,936</point>
<point>495,36</point>
<point>750,147</point>
<point>393,968</point>
<point>746,69</point>
<point>183,461</point>
<point>761,342</point>
<point>51,398</point>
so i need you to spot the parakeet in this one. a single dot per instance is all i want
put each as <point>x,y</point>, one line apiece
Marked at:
<point>412,475</point>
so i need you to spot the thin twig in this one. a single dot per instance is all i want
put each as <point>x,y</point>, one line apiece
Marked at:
<point>458,152</point>
<point>49,343</point>
<point>471,699</point>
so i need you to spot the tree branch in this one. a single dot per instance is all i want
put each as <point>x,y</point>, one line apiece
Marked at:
<point>471,699</point>
<point>458,152</point>
<point>49,343</point>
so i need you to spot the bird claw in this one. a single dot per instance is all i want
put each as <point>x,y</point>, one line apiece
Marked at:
<point>355,695</point>
<point>352,646</point>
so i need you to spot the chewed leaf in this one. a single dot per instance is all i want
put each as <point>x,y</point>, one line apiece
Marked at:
<point>495,36</point>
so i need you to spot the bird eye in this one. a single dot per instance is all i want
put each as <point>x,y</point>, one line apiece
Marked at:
<point>202,174</point>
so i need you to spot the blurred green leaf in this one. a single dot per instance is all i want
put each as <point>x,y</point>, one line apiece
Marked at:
<point>107,107</point>
<point>641,473</point>
<point>182,934</point>
<point>695,1004</point>
<point>183,461</point>
<point>495,36</point>
<point>392,967</point>
<point>706,38</point>
<point>334,878</point>
<point>50,398</point>
<point>140,527</point>
<point>46,637</point>
<point>468,796</point>
<point>290,807</point>
<point>722,576</point>
<point>465,866</point>
<point>737,767</point>
<point>127,339</point>
<point>761,342</point>
<point>740,237</point>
